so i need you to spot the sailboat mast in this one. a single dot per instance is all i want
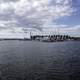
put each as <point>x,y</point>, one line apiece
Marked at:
<point>30,34</point>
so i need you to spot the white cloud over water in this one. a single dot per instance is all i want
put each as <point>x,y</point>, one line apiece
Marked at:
<point>35,14</point>
<point>43,8</point>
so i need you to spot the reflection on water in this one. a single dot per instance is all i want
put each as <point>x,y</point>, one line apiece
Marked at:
<point>30,60</point>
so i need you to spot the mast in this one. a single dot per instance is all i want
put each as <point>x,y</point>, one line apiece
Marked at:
<point>30,34</point>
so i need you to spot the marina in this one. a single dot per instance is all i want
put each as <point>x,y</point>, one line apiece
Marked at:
<point>46,38</point>
<point>39,39</point>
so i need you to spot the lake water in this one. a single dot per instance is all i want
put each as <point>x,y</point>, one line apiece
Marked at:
<point>32,60</point>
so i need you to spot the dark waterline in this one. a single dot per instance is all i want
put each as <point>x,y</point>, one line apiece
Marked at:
<point>31,60</point>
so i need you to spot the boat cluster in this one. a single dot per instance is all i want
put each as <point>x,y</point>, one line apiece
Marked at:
<point>51,38</point>
<point>46,38</point>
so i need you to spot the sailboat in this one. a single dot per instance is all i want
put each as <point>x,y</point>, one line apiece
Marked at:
<point>28,37</point>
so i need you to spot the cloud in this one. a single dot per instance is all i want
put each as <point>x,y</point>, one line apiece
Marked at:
<point>43,8</point>
<point>31,14</point>
<point>63,30</point>
<point>6,7</point>
<point>36,12</point>
<point>41,11</point>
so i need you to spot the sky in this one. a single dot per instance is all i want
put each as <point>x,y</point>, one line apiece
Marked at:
<point>19,17</point>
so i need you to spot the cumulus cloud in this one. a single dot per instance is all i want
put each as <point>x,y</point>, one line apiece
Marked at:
<point>36,11</point>
<point>63,30</point>
<point>41,11</point>
<point>33,14</point>
<point>43,8</point>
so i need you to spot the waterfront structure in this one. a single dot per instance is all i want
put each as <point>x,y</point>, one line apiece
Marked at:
<point>51,38</point>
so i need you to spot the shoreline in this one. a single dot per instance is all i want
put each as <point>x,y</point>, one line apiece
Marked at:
<point>36,40</point>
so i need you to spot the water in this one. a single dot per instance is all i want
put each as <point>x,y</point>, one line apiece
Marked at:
<point>32,60</point>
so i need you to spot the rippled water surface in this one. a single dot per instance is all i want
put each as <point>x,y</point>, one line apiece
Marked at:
<point>31,60</point>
